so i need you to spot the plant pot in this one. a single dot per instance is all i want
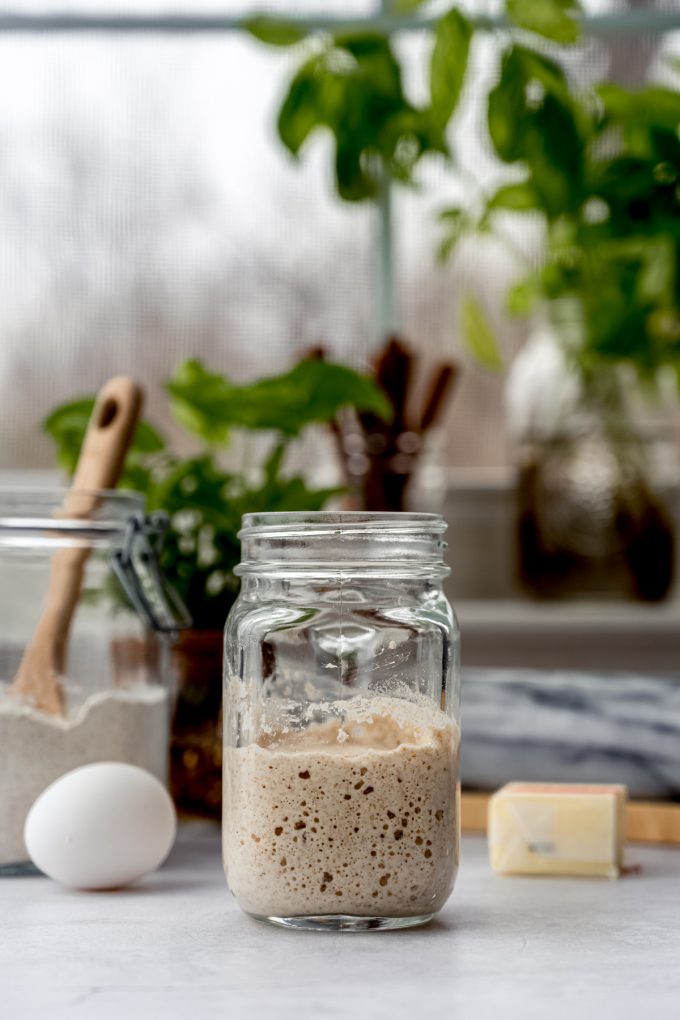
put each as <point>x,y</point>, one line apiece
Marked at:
<point>196,736</point>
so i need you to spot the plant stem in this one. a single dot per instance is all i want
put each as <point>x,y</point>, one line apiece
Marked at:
<point>386,301</point>
<point>386,311</point>
<point>272,467</point>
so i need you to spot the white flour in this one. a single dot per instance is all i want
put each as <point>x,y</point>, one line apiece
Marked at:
<point>125,724</point>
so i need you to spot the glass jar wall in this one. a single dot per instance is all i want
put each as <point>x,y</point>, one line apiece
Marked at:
<point>341,722</point>
<point>112,694</point>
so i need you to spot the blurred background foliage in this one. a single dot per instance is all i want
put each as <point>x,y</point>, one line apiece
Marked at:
<point>204,501</point>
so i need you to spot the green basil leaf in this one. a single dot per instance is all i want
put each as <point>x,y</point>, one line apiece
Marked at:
<point>66,426</point>
<point>479,335</point>
<point>274,31</point>
<point>147,439</point>
<point>312,392</point>
<point>302,110</point>
<point>652,106</point>
<point>522,297</point>
<point>533,120</point>
<point>448,64</point>
<point>353,176</point>
<point>651,260</point>
<point>518,197</point>
<point>200,401</point>
<point>406,6</point>
<point>553,19</point>
<point>134,476</point>
<point>354,89</point>
<point>272,467</point>
<point>374,71</point>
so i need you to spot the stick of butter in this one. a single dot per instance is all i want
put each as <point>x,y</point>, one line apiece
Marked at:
<point>557,829</point>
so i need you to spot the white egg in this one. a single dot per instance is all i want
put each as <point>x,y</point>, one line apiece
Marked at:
<point>101,826</point>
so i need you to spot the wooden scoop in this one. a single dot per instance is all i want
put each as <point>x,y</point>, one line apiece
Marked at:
<point>102,456</point>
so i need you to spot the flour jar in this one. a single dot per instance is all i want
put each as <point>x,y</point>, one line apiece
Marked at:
<point>341,709</point>
<point>114,680</point>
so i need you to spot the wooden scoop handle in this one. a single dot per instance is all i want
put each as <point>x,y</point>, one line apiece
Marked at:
<point>100,464</point>
<point>107,440</point>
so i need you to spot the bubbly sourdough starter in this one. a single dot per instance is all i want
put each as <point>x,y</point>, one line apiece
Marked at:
<point>355,816</point>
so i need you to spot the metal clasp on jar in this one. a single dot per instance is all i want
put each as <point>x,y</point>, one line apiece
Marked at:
<point>136,565</point>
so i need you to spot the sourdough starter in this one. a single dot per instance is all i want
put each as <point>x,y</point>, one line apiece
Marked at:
<point>356,816</point>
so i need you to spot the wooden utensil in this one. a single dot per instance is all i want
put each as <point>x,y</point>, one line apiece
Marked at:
<point>389,451</point>
<point>107,440</point>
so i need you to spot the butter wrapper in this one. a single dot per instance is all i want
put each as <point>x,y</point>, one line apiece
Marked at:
<point>557,829</point>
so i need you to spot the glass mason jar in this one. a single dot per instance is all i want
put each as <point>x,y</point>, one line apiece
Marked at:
<point>341,710</point>
<point>596,477</point>
<point>592,517</point>
<point>111,675</point>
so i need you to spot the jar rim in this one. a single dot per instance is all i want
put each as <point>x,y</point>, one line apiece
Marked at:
<point>27,510</point>
<point>356,543</point>
<point>333,522</point>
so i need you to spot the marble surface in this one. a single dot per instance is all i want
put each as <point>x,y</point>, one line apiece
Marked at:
<point>176,946</point>
<point>572,726</point>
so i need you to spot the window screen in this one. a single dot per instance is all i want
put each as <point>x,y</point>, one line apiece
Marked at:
<point>149,213</point>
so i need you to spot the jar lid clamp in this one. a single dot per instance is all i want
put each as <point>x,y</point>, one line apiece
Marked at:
<point>135,564</point>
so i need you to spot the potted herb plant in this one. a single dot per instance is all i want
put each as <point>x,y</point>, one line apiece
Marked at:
<point>601,168</point>
<point>205,503</point>
<point>350,83</point>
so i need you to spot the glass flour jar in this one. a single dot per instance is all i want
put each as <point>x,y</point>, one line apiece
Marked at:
<point>113,679</point>
<point>341,708</point>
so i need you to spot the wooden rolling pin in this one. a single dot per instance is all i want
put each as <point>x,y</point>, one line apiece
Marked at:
<point>107,440</point>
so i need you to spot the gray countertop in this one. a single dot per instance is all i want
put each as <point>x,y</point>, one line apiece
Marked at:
<point>176,946</point>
